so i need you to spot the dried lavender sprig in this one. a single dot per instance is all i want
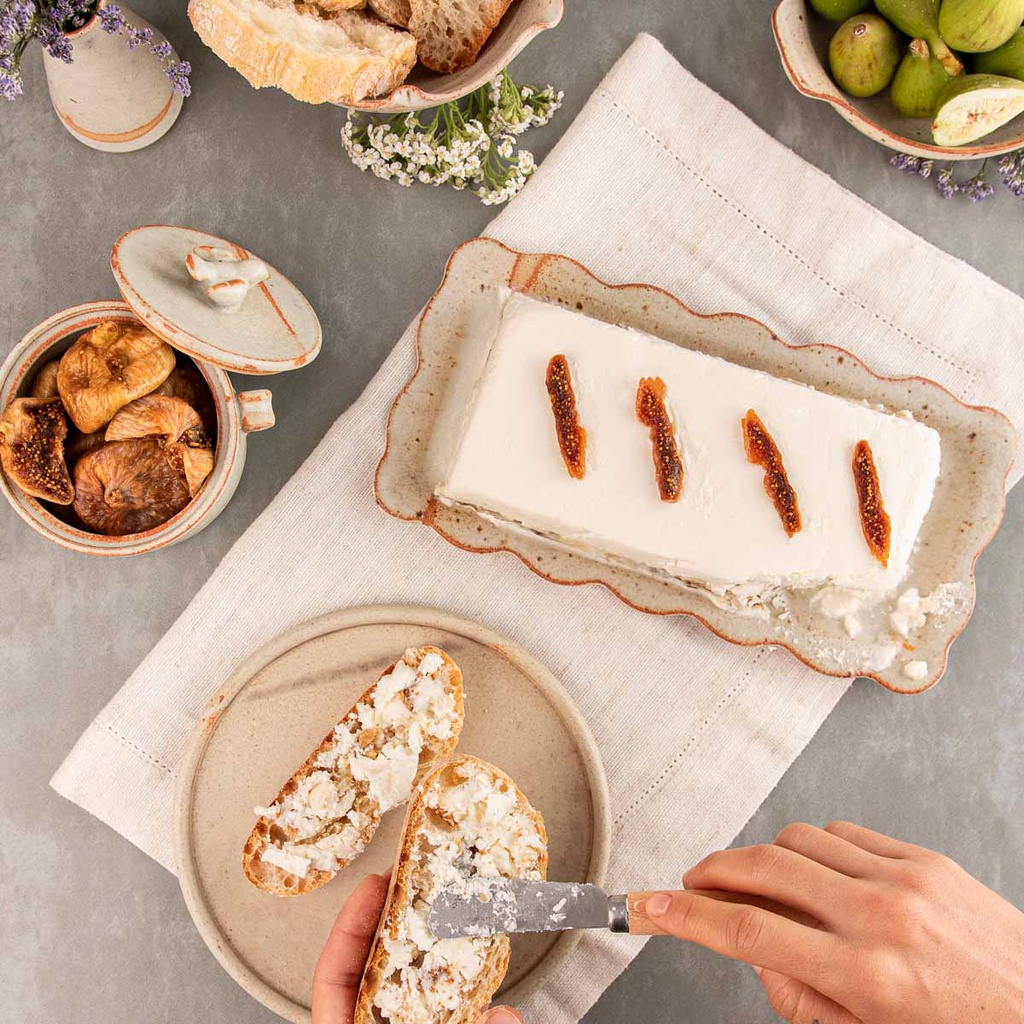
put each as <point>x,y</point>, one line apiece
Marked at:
<point>112,21</point>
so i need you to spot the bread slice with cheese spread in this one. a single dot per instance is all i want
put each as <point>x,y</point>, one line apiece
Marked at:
<point>466,820</point>
<point>318,53</point>
<point>330,808</point>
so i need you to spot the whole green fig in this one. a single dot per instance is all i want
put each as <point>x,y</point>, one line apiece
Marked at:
<point>972,106</point>
<point>919,80</point>
<point>1007,60</point>
<point>840,10</point>
<point>919,19</point>
<point>863,54</point>
<point>976,26</point>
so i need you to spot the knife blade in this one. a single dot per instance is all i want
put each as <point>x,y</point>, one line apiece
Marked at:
<point>486,906</point>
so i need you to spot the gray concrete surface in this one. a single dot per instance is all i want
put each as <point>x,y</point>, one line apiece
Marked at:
<point>95,931</point>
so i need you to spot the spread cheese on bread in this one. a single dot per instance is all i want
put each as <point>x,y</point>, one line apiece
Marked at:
<point>466,820</point>
<point>330,808</point>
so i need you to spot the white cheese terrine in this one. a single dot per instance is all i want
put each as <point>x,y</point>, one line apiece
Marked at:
<point>775,485</point>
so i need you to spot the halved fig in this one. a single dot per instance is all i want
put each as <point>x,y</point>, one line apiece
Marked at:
<point>45,383</point>
<point>179,429</point>
<point>188,384</point>
<point>972,106</point>
<point>108,367</point>
<point>32,433</point>
<point>127,487</point>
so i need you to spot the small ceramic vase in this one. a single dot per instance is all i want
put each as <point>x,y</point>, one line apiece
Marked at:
<point>110,97</point>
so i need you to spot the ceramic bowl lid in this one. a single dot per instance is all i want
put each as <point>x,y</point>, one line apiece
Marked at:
<point>274,329</point>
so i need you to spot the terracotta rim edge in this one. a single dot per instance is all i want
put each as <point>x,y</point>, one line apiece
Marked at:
<point>426,516</point>
<point>337,621</point>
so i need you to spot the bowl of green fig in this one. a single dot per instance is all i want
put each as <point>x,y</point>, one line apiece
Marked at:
<point>933,78</point>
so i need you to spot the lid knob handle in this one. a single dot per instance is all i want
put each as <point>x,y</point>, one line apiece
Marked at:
<point>257,410</point>
<point>224,275</point>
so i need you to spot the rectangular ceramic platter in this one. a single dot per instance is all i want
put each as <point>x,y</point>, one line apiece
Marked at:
<point>455,332</point>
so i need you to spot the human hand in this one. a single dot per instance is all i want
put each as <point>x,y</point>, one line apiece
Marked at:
<point>905,935</point>
<point>340,967</point>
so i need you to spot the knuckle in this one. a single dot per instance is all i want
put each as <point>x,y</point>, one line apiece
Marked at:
<point>788,1000</point>
<point>837,827</point>
<point>795,833</point>
<point>745,932</point>
<point>765,861</point>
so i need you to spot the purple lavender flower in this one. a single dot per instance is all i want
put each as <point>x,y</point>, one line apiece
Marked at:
<point>10,79</point>
<point>906,163</point>
<point>138,36</point>
<point>1011,171</point>
<point>977,188</point>
<point>925,170</point>
<point>162,50</point>
<point>111,19</point>
<point>945,184</point>
<point>178,74</point>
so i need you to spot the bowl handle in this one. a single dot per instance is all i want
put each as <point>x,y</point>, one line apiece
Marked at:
<point>257,410</point>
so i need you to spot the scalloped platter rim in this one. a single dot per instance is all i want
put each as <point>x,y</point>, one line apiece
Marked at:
<point>978,449</point>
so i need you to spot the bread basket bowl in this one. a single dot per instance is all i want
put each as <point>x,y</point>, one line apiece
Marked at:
<point>802,37</point>
<point>423,89</point>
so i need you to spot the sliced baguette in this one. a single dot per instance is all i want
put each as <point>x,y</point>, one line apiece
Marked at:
<point>316,55</point>
<point>466,819</point>
<point>330,808</point>
<point>450,33</point>
<point>394,12</point>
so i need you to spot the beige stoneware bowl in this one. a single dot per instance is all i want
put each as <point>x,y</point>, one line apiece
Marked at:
<point>238,415</point>
<point>978,446</point>
<point>803,37</point>
<point>277,706</point>
<point>523,22</point>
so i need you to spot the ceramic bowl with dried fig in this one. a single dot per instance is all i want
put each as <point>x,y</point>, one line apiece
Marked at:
<point>112,442</point>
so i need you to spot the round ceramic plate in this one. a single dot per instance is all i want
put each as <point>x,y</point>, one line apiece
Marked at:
<point>278,705</point>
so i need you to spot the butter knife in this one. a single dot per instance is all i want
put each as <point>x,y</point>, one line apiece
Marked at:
<point>492,906</point>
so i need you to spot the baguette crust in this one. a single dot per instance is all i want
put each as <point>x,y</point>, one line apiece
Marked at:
<point>394,12</point>
<point>273,879</point>
<point>317,56</point>
<point>449,36</point>
<point>401,892</point>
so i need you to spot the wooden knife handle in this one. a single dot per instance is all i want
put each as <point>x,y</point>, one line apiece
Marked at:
<point>641,924</point>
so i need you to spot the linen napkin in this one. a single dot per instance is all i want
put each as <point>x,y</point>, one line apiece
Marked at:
<point>703,730</point>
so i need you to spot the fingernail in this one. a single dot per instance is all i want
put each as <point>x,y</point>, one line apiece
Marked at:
<point>757,970</point>
<point>501,1015</point>
<point>658,904</point>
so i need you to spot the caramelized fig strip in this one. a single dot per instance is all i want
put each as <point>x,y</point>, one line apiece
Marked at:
<point>762,451</point>
<point>874,520</point>
<point>572,438</point>
<point>652,412</point>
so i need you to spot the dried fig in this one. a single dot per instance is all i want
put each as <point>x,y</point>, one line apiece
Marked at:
<point>179,429</point>
<point>45,383</point>
<point>78,444</point>
<point>108,367</point>
<point>32,433</point>
<point>188,384</point>
<point>127,487</point>
<point>154,416</point>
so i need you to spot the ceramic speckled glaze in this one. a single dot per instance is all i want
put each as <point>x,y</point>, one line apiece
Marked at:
<point>109,97</point>
<point>274,330</point>
<point>423,89</point>
<point>237,415</point>
<point>279,704</point>
<point>803,37</point>
<point>978,447</point>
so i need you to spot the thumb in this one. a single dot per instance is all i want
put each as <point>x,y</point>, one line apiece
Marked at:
<point>501,1015</point>
<point>797,1003</point>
